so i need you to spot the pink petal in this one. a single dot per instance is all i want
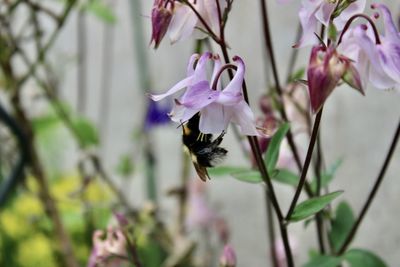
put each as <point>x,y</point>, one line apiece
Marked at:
<point>354,8</point>
<point>200,73</point>
<point>217,67</point>
<point>182,23</point>
<point>308,24</point>
<point>235,85</point>
<point>190,66</point>
<point>199,96</point>
<point>324,12</point>
<point>212,119</point>
<point>244,118</point>
<point>390,28</point>
<point>176,88</point>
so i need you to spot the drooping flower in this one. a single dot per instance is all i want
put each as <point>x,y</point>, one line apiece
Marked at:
<point>326,68</point>
<point>218,107</point>
<point>377,58</point>
<point>161,16</point>
<point>314,11</point>
<point>228,257</point>
<point>181,22</point>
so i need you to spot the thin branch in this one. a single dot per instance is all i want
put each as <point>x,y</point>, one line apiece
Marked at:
<point>373,192</point>
<point>306,164</point>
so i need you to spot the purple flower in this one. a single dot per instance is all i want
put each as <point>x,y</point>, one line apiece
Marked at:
<point>156,115</point>
<point>218,107</point>
<point>377,58</point>
<point>228,257</point>
<point>324,72</point>
<point>314,11</point>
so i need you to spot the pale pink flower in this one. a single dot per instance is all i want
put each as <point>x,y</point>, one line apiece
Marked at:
<point>313,12</point>
<point>228,257</point>
<point>199,213</point>
<point>378,62</point>
<point>113,245</point>
<point>217,107</point>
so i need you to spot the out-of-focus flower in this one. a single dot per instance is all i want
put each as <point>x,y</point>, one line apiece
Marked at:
<point>161,16</point>
<point>228,257</point>
<point>377,60</point>
<point>218,107</point>
<point>199,214</point>
<point>314,11</point>
<point>222,229</point>
<point>103,250</point>
<point>325,70</point>
<point>279,250</point>
<point>156,115</point>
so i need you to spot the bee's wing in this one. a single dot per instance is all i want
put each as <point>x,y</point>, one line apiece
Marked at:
<point>201,171</point>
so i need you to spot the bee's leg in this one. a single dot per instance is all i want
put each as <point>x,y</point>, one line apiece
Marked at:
<point>218,140</point>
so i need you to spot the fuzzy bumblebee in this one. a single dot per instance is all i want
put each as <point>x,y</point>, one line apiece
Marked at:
<point>203,150</point>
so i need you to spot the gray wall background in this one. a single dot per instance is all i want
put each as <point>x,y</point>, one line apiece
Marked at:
<point>354,127</point>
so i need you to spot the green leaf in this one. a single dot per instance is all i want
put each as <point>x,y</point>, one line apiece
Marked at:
<point>299,74</point>
<point>101,11</point>
<point>125,166</point>
<point>363,258</point>
<point>225,170</point>
<point>253,177</point>
<point>341,225</point>
<point>327,177</point>
<point>313,205</point>
<point>271,157</point>
<point>286,177</point>
<point>85,131</point>
<point>323,261</point>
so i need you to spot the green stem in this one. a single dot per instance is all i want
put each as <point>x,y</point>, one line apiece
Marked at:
<point>142,68</point>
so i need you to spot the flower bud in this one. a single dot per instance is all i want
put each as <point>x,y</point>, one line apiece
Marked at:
<point>161,16</point>
<point>325,70</point>
<point>228,257</point>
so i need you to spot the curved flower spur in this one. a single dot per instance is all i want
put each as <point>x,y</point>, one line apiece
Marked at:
<point>205,108</point>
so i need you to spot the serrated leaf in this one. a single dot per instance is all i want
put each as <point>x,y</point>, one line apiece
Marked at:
<point>253,177</point>
<point>286,177</point>
<point>323,261</point>
<point>85,131</point>
<point>225,170</point>
<point>341,225</point>
<point>313,205</point>
<point>363,258</point>
<point>327,177</point>
<point>272,154</point>
<point>101,11</point>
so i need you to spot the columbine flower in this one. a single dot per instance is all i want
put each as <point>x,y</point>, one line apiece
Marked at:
<point>324,72</point>
<point>218,107</point>
<point>228,257</point>
<point>181,21</point>
<point>314,11</point>
<point>377,58</point>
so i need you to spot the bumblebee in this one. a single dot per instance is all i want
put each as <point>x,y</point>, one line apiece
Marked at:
<point>203,150</point>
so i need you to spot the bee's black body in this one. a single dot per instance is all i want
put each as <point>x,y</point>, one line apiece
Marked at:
<point>204,151</point>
